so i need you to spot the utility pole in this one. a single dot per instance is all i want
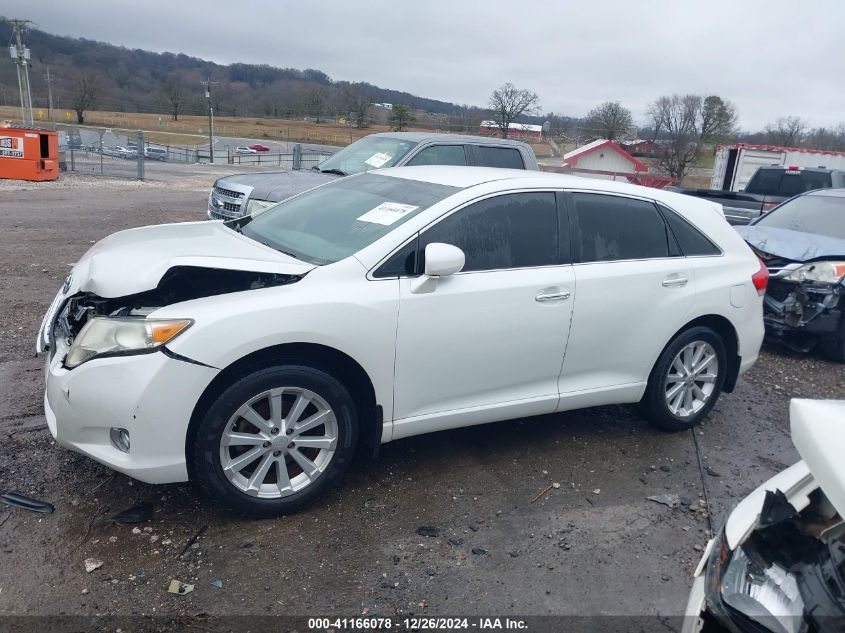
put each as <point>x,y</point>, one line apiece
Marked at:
<point>208,83</point>
<point>21,56</point>
<point>49,96</point>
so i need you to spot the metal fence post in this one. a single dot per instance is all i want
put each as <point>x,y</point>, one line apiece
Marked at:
<point>297,156</point>
<point>72,161</point>
<point>101,152</point>
<point>140,155</point>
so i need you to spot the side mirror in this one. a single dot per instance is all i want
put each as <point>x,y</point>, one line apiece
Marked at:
<point>442,260</point>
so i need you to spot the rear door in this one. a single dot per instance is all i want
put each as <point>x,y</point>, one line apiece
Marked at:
<point>634,290</point>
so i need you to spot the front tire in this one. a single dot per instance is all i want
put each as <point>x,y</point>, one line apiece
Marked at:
<point>686,380</point>
<point>275,440</point>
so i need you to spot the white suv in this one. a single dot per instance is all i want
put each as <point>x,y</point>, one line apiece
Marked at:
<point>255,356</point>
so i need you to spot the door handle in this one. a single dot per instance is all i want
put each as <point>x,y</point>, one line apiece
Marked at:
<point>675,281</point>
<point>552,296</point>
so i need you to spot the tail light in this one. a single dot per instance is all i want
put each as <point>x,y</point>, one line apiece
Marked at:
<point>760,279</point>
<point>768,206</point>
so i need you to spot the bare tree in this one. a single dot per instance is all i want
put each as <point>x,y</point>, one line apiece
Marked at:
<point>609,120</point>
<point>357,102</point>
<point>509,103</point>
<point>175,95</point>
<point>679,118</point>
<point>315,102</point>
<point>787,131</point>
<point>401,116</point>
<point>85,92</point>
<point>832,139</point>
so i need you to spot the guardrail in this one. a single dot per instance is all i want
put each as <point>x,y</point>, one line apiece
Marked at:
<point>297,159</point>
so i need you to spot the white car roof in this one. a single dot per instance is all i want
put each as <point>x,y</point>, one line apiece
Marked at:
<point>465,177</point>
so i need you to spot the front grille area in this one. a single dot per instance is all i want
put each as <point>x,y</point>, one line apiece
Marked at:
<point>228,192</point>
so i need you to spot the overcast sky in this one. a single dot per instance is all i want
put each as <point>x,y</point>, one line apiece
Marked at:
<point>771,58</point>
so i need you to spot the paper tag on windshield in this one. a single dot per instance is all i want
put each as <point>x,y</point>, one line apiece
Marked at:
<point>387,213</point>
<point>378,159</point>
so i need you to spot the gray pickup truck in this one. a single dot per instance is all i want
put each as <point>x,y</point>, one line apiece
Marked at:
<point>768,187</point>
<point>244,194</point>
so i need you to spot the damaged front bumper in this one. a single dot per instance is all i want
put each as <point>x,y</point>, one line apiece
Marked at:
<point>150,396</point>
<point>802,313</point>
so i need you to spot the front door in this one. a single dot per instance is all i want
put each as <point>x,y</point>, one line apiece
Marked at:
<point>486,343</point>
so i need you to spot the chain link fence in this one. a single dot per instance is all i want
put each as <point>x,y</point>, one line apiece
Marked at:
<point>102,151</point>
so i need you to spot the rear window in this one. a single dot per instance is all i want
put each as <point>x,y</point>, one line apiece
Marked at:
<point>784,182</point>
<point>816,214</point>
<point>507,157</point>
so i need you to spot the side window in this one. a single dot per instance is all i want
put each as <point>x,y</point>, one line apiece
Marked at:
<point>612,228</point>
<point>440,155</point>
<point>690,239</point>
<point>499,157</point>
<point>402,263</point>
<point>515,230</point>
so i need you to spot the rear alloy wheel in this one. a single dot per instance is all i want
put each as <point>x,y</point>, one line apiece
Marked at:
<point>275,440</point>
<point>686,380</point>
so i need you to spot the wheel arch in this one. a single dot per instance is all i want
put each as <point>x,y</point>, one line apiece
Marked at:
<point>726,330</point>
<point>340,365</point>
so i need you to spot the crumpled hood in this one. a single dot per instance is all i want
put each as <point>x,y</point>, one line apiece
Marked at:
<point>276,186</point>
<point>135,260</point>
<point>792,245</point>
<point>818,432</point>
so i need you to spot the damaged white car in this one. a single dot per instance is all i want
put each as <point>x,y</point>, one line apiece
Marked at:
<point>256,356</point>
<point>778,564</point>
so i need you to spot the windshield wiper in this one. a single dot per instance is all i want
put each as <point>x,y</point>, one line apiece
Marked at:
<point>339,172</point>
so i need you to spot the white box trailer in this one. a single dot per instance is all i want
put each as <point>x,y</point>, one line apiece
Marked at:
<point>735,164</point>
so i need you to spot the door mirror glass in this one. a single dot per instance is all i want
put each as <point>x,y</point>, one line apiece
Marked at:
<point>442,260</point>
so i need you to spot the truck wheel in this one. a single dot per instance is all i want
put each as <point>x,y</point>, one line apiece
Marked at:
<point>686,380</point>
<point>275,440</point>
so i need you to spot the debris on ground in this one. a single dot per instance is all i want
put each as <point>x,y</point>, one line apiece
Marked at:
<point>479,551</point>
<point>456,542</point>
<point>425,530</point>
<point>18,500</point>
<point>217,584</point>
<point>192,540</point>
<point>544,491</point>
<point>136,514</point>
<point>92,563</point>
<point>180,588</point>
<point>673,501</point>
<point>372,504</point>
<point>713,473</point>
<point>597,491</point>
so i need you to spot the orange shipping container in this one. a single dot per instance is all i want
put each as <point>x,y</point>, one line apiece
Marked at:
<point>29,154</point>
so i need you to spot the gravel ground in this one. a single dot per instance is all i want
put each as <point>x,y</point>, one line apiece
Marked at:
<point>595,545</point>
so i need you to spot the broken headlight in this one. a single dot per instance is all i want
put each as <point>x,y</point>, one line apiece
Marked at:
<point>763,592</point>
<point>108,336</point>
<point>822,272</point>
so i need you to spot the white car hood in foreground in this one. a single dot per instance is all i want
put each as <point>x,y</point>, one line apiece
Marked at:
<point>818,432</point>
<point>135,260</point>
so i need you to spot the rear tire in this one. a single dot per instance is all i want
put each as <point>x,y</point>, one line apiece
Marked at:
<point>686,380</point>
<point>275,441</point>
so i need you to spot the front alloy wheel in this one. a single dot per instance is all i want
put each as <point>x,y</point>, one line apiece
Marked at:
<point>275,440</point>
<point>278,442</point>
<point>686,379</point>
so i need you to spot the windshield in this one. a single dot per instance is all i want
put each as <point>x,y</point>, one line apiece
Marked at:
<point>370,152</point>
<point>819,215</point>
<point>331,222</point>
